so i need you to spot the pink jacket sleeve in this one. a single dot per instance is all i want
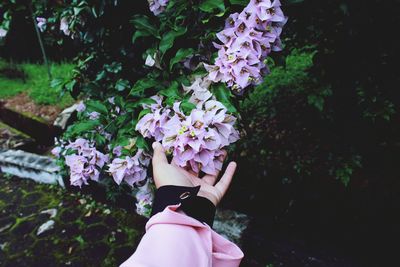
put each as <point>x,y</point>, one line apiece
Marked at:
<point>173,239</point>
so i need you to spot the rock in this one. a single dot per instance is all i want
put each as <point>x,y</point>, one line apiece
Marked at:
<point>51,212</point>
<point>63,118</point>
<point>45,227</point>
<point>28,165</point>
<point>11,138</point>
<point>231,224</point>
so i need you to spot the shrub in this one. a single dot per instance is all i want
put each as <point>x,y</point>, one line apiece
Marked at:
<point>143,77</point>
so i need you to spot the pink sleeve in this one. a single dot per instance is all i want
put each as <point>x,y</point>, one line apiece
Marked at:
<point>173,239</point>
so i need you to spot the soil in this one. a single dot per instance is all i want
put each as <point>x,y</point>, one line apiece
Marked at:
<point>22,103</point>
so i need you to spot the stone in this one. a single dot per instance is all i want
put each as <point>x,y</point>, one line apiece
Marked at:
<point>11,138</point>
<point>51,212</point>
<point>231,224</point>
<point>65,116</point>
<point>28,165</point>
<point>45,227</point>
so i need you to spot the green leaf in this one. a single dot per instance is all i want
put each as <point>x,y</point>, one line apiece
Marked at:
<point>133,105</point>
<point>81,127</point>
<point>96,106</point>
<point>101,75</point>
<point>121,140</point>
<point>114,67</point>
<point>121,85</point>
<point>168,39</point>
<point>57,83</point>
<point>141,85</point>
<point>139,34</point>
<point>240,2</point>
<point>123,119</point>
<point>100,140</point>
<point>187,106</point>
<point>142,23</point>
<point>171,93</point>
<point>223,94</point>
<point>141,143</point>
<point>143,112</point>
<point>210,5</point>
<point>180,55</point>
<point>77,10</point>
<point>70,85</point>
<point>317,101</point>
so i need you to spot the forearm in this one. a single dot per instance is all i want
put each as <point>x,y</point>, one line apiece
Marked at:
<point>175,239</point>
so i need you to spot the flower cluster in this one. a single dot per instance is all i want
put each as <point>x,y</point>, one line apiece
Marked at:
<point>130,169</point>
<point>195,139</point>
<point>85,163</point>
<point>247,39</point>
<point>145,196</point>
<point>157,6</point>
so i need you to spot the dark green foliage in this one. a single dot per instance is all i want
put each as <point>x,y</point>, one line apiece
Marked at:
<point>316,125</point>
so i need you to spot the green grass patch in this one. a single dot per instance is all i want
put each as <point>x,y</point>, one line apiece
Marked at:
<point>37,84</point>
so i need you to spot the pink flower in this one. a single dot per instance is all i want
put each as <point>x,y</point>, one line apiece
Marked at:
<point>41,23</point>
<point>3,33</point>
<point>76,164</point>
<point>86,163</point>
<point>56,151</point>
<point>80,107</point>
<point>130,169</point>
<point>111,100</point>
<point>152,124</point>
<point>196,139</point>
<point>247,40</point>
<point>94,115</point>
<point>144,197</point>
<point>117,151</point>
<point>157,6</point>
<point>199,91</point>
<point>64,26</point>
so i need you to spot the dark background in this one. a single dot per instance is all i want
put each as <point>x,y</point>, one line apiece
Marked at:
<point>293,154</point>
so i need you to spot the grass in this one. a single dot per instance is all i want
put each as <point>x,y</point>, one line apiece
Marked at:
<point>37,85</point>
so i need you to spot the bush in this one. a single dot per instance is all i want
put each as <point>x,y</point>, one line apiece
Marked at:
<point>138,74</point>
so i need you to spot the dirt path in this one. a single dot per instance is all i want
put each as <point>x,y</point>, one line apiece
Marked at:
<point>23,103</point>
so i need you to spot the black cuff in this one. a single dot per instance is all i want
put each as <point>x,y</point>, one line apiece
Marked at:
<point>197,207</point>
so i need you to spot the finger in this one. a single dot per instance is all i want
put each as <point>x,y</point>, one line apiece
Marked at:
<point>159,154</point>
<point>173,163</point>
<point>226,179</point>
<point>211,179</point>
<point>186,170</point>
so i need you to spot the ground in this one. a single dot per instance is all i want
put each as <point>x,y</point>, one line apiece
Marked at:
<point>26,88</point>
<point>85,233</point>
<point>22,103</point>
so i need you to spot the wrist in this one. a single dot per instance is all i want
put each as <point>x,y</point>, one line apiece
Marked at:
<point>192,202</point>
<point>208,196</point>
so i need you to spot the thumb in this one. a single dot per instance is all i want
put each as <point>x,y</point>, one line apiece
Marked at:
<point>159,154</point>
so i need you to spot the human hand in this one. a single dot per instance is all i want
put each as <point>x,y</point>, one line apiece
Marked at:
<point>172,174</point>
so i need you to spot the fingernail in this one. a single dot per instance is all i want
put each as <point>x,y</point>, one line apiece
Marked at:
<point>154,145</point>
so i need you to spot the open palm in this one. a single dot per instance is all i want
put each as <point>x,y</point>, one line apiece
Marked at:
<point>171,174</point>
